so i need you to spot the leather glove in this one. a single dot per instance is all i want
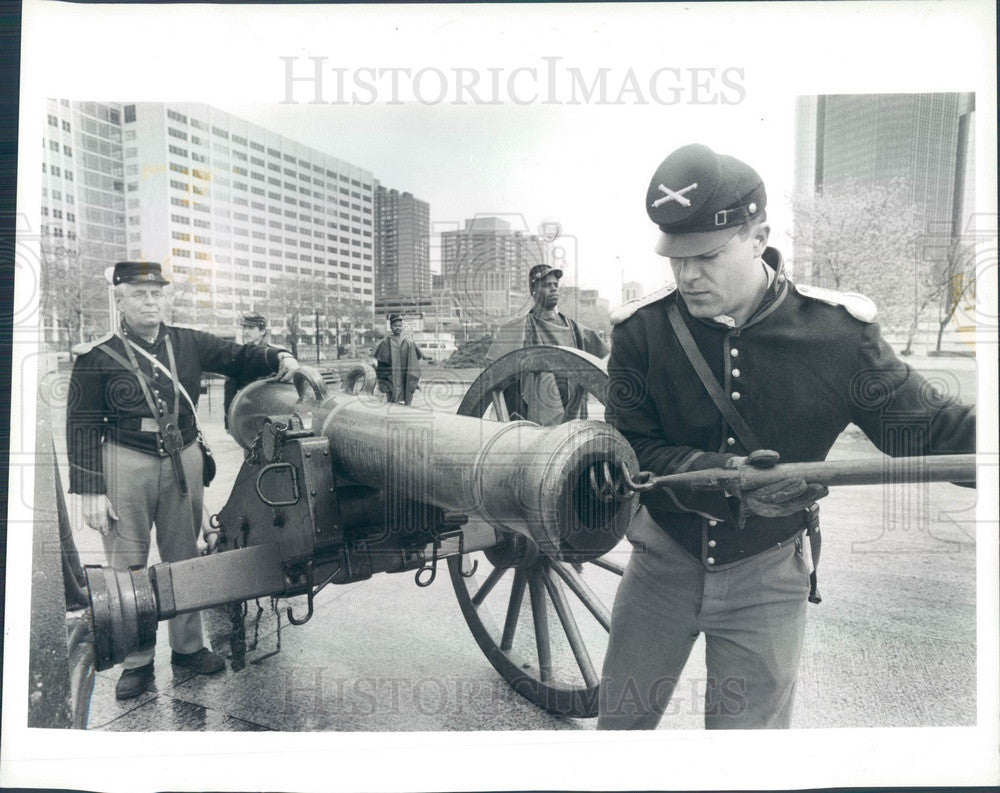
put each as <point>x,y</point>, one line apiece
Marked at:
<point>779,498</point>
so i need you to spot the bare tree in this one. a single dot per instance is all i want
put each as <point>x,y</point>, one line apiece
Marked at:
<point>866,237</point>
<point>76,298</point>
<point>955,285</point>
<point>293,300</point>
<point>187,302</point>
<point>857,234</point>
<point>348,314</point>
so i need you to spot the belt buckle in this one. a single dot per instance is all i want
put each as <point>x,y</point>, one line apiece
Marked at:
<point>172,439</point>
<point>148,424</point>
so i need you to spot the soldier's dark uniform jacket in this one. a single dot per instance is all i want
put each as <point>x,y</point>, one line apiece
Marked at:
<point>235,384</point>
<point>107,403</point>
<point>798,371</point>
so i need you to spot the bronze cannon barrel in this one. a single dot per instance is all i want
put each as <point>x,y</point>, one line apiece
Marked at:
<point>534,480</point>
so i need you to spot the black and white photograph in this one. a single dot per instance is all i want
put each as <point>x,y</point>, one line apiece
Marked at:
<point>399,388</point>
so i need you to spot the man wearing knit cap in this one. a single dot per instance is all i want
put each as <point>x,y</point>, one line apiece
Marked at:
<point>732,365</point>
<point>253,329</point>
<point>397,364</point>
<point>546,398</point>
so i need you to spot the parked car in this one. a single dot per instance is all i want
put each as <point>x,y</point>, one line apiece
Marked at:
<point>437,351</point>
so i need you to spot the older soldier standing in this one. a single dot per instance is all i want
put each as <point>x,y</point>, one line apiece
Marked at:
<point>734,366</point>
<point>545,398</point>
<point>135,460</point>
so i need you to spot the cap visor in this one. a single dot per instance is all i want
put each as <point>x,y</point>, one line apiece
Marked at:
<point>695,243</point>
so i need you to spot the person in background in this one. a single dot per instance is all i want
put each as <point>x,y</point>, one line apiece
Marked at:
<point>545,398</point>
<point>397,360</point>
<point>253,331</point>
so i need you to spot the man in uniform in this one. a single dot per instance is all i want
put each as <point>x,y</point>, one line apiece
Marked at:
<point>545,398</point>
<point>398,364</point>
<point>792,366</point>
<point>132,438</point>
<point>254,331</point>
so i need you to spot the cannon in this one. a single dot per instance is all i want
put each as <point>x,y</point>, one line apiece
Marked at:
<point>337,486</point>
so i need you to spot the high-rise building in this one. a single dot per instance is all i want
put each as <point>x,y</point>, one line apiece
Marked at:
<point>631,290</point>
<point>82,227</point>
<point>244,218</point>
<point>923,139</point>
<point>402,244</point>
<point>486,264</point>
<point>583,298</point>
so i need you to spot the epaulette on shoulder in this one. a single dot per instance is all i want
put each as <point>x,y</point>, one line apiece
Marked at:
<point>626,310</point>
<point>86,346</point>
<point>857,305</point>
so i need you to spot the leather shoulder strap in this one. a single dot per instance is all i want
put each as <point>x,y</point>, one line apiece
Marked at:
<point>734,419</point>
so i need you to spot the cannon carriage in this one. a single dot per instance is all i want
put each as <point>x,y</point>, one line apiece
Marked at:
<point>337,486</point>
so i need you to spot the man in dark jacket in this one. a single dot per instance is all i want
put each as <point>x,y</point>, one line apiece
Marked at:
<point>398,364</point>
<point>792,367</point>
<point>254,330</point>
<point>546,398</point>
<point>134,459</point>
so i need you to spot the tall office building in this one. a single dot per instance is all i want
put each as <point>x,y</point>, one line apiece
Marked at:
<point>924,139</point>
<point>245,219</point>
<point>82,228</point>
<point>486,265</point>
<point>402,244</point>
<point>631,290</point>
<point>242,219</point>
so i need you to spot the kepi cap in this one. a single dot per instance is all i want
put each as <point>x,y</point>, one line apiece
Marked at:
<point>540,271</point>
<point>254,321</point>
<point>700,199</point>
<point>138,273</point>
<point>394,317</point>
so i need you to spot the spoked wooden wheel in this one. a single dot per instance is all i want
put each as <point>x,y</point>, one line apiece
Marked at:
<point>541,621</point>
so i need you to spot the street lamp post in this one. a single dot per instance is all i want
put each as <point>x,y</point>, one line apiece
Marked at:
<point>317,338</point>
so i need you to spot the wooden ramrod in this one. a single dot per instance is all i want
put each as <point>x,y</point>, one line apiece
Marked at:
<point>337,487</point>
